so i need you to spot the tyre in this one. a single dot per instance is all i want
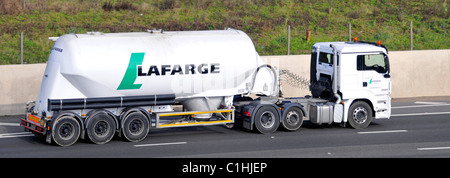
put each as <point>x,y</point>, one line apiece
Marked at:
<point>135,126</point>
<point>100,127</point>
<point>292,119</point>
<point>359,115</point>
<point>267,120</point>
<point>66,131</point>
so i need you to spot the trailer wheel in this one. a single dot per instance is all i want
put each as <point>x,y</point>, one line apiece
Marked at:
<point>135,126</point>
<point>66,131</point>
<point>267,120</point>
<point>292,119</point>
<point>100,127</point>
<point>359,115</point>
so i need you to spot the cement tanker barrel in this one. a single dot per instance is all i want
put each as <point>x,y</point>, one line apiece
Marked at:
<point>199,68</point>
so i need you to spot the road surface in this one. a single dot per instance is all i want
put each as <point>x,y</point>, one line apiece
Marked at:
<point>418,128</point>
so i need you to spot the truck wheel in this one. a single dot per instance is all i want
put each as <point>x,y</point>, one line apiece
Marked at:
<point>66,131</point>
<point>292,119</point>
<point>100,127</point>
<point>359,115</point>
<point>135,126</point>
<point>267,120</point>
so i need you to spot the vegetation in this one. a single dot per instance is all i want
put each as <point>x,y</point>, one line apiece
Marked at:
<point>265,21</point>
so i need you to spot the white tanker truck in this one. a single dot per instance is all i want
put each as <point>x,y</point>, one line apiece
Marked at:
<point>101,84</point>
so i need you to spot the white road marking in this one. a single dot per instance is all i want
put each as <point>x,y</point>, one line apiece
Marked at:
<point>9,124</point>
<point>420,114</point>
<point>432,103</point>
<point>433,148</point>
<point>160,144</point>
<point>419,106</point>
<point>14,135</point>
<point>386,131</point>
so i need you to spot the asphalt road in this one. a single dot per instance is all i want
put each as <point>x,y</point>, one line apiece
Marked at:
<point>418,128</point>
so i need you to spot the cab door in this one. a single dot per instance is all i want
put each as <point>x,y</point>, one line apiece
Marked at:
<point>376,80</point>
<point>375,70</point>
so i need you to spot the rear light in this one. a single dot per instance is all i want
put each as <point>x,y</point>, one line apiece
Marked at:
<point>246,113</point>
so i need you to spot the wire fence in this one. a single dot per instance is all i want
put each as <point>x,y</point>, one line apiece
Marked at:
<point>26,47</point>
<point>350,37</point>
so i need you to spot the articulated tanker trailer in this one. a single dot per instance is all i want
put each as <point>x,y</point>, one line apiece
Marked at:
<point>97,85</point>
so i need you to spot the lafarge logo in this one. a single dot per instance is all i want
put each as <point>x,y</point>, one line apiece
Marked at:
<point>135,69</point>
<point>130,75</point>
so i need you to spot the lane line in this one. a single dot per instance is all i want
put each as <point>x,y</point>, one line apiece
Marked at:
<point>420,114</point>
<point>419,106</point>
<point>160,144</point>
<point>386,131</point>
<point>9,124</point>
<point>432,103</point>
<point>18,134</point>
<point>433,148</point>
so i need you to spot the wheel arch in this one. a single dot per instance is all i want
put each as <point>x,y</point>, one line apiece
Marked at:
<point>253,108</point>
<point>86,120</point>
<point>127,111</point>
<point>366,101</point>
<point>259,106</point>
<point>284,115</point>
<point>290,105</point>
<point>79,119</point>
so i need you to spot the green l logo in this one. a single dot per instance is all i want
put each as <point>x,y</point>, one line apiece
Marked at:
<point>131,74</point>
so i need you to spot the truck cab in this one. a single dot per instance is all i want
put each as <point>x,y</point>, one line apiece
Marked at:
<point>362,79</point>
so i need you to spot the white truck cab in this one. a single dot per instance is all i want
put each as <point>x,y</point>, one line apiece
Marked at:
<point>362,81</point>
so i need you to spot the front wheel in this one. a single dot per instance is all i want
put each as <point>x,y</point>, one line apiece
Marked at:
<point>360,115</point>
<point>267,120</point>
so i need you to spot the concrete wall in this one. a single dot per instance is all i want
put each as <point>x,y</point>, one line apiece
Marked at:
<point>420,73</point>
<point>413,74</point>
<point>18,85</point>
<point>296,64</point>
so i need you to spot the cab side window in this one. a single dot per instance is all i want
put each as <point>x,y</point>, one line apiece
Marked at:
<point>376,62</point>
<point>325,58</point>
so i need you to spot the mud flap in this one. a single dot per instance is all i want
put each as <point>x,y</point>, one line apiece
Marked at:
<point>338,113</point>
<point>48,137</point>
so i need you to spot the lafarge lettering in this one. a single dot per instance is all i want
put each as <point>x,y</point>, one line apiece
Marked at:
<point>186,69</point>
<point>135,67</point>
